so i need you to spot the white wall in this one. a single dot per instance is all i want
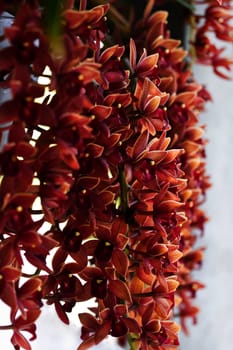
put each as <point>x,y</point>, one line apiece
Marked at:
<point>215,322</point>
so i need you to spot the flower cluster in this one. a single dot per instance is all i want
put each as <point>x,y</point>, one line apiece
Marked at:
<point>102,173</point>
<point>216,21</point>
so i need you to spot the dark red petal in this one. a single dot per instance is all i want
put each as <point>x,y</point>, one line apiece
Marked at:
<point>102,332</point>
<point>59,258</point>
<point>61,313</point>
<point>123,99</point>
<point>116,51</point>
<point>72,240</point>
<point>80,257</point>
<point>30,317</point>
<point>10,273</point>
<point>9,297</point>
<point>94,150</point>
<point>23,199</point>
<point>28,288</point>
<point>104,251</point>
<point>68,154</point>
<point>147,63</point>
<point>120,290</point>
<point>139,146</point>
<point>87,344</point>
<point>153,326</point>
<point>99,287</point>
<point>132,325</point>
<point>19,340</point>
<point>88,321</point>
<point>37,261</point>
<point>30,239</point>
<point>90,272</point>
<point>88,182</point>
<point>120,261</point>
<point>152,105</point>
<point>136,285</point>
<point>156,156</point>
<point>146,316</point>
<point>71,267</point>
<point>119,328</point>
<point>101,112</point>
<point>133,54</point>
<point>76,19</point>
<point>169,205</point>
<point>106,197</point>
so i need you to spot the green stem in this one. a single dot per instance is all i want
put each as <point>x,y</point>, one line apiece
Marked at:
<point>124,190</point>
<point>27,275</point>
<point>143,295</point>
<point>116,17</point>
<point>132,343</point>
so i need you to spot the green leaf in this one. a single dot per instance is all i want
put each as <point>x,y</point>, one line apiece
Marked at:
<point>53,24</point>
<point>188,4</point>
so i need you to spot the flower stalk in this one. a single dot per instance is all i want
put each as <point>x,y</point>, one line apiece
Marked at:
<point>124,191</point>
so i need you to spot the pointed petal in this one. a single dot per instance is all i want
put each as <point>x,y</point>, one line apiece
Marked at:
<point>120,290</point>
<point>31,317</point>
<point>18,340</point>
<point>61,313</point>
<point>101,112</point>
<point>139,146</point>
<point>88,343</point>
<point>136,285</point>
<point>103,331</point>
<point>172,154</point>
<point>111,51</point>
<point>153,326</point>
<point>30,287</point>
<point>81,259</point>
<point>132,325</point>
<point>133,54</point>
<point>9,297</point>
<point>89,182</point>
<point>120,261</point>
<point>172,285</point>
<point>156,156</point>
<point>194,133</point>
<point>169,205</point>
<point>88,321</point>
<point>148,63</point>
<point>174,255</point>
<point>152,105</point>
<point>10,273</point>
<point>95,150</point>
<point>144,94</point>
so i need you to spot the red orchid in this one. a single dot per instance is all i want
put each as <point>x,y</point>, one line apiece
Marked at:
<point>111,320</point>
<point>22,324</point>
<point>150,103</point>
<point>146,65</point>
<point>111,161</point>
<point>219,19</point>
<point>9,275</point>
<point>111,244</point>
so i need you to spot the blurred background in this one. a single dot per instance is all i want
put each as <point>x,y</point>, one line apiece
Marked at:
<point>215,322</point>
